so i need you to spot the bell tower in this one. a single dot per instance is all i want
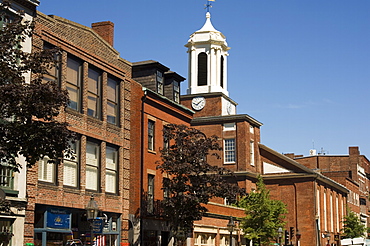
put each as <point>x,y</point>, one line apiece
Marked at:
<point>207,92</point>
<point>208,52</point>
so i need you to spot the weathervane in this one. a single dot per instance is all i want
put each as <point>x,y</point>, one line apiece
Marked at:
<point>209,4</point>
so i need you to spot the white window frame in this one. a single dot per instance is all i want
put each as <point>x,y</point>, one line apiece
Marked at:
<point>229,150</point>
<point>151,135</point>
<point>111,167</point>
<point>252,156</point>
<point>71,167</point>
<point>47,171</point>
<point>92,166</point>
<point>230,126</point>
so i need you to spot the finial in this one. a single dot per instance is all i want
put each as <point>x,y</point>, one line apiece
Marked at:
<point>209,4</point>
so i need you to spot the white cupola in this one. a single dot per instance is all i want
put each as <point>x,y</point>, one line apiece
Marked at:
<point>208,52</point>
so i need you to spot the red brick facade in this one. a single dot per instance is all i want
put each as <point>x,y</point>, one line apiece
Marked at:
<point>92,51</point>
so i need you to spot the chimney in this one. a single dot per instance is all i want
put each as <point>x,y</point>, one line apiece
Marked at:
<point>105,29</point>
<point>354,150</point>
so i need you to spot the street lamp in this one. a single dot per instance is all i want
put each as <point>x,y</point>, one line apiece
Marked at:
<point>92,210</point>
<point>327,235</point>
<point>298,236</point>
<point>280,234</point>
<point>230,228</point>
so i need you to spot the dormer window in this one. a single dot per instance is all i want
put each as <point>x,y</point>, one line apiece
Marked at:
<point>176,91</point>
<point>160,82</point>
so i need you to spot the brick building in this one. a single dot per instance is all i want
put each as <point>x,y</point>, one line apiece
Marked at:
<point>99,86</point>
<point>316,204</point>
<point>350,170</point>
<point>155,103</point>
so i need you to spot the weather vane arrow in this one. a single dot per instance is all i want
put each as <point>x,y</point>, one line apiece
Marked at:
<point>209,4</point>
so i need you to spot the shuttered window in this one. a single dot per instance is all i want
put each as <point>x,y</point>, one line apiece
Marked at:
<point>94,93</point>
<point>112,100</point>
<point>111,169</point>
<point>73,80</point>
<point>46,171</point>
<point>92,166</point>
<point>71,166</point>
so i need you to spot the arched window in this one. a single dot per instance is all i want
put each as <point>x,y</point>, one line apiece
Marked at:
<point>202,69</point>
<point>222,71</point>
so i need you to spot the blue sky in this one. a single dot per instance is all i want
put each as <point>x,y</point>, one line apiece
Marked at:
<point>301,67</point>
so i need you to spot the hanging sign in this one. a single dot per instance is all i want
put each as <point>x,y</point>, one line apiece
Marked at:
<point>58,218</point>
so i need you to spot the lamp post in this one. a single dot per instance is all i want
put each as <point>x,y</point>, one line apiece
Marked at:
<point>327,235</point>
<point>298,236</point>
<point>230,228</point>
<point>280,234</point>
<point>92,210</point>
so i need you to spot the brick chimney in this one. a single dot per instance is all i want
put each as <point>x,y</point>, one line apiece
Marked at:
<point>105,29</point>
<point>354,150</point>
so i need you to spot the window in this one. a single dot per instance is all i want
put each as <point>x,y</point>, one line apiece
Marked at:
<point>6,176</point>
<point>73,80</point>
<point>251,129</point>
<point>6,227</point>
<point>151,135</point>
<point>222,71</point>
<point>150,193</point>
<point>202,69</point>
<point>111,169</point>
<point>71,166</point>
<point>229,146</point>
<point>92,166</point>
<point>166,141</point>
<point>53,72</point>
<point>176,91</point>
<point>251,145</point>
<point>47,170</point>
<point>325,212</point>
<point>166,192</point>
<point>94,93</point>
<point>112,100</point>
<point>160,82</point>
<point>230,126</point>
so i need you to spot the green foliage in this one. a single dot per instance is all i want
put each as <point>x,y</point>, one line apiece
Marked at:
<point>352,226</point>
<point>28,109</point>
<point>192,181</point>
<point>263,217</point>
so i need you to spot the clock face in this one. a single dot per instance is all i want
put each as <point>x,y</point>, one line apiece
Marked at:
<point>229,107</point>
<point>198,103</point>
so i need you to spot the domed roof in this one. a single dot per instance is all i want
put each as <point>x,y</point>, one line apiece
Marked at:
<point>208,34</point>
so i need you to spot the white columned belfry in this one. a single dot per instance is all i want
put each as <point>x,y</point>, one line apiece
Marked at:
<point>208,53</point>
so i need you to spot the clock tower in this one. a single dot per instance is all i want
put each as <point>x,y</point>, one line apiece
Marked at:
<point>207,92</point>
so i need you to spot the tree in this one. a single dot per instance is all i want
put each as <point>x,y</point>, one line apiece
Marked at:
<point>28,109</point>
<point>191,181</point>
<point>263,217</point>
<point>352,226</point>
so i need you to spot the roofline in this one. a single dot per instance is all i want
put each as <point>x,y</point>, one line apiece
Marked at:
<point>310,172</point>
<point>189,111</point>
<point>226,118</point>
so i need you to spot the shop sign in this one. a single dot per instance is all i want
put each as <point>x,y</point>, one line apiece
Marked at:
<point>97,226</point>
<point>58,218</point>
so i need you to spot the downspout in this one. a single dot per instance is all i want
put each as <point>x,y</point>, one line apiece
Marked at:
<point>143,99</point>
